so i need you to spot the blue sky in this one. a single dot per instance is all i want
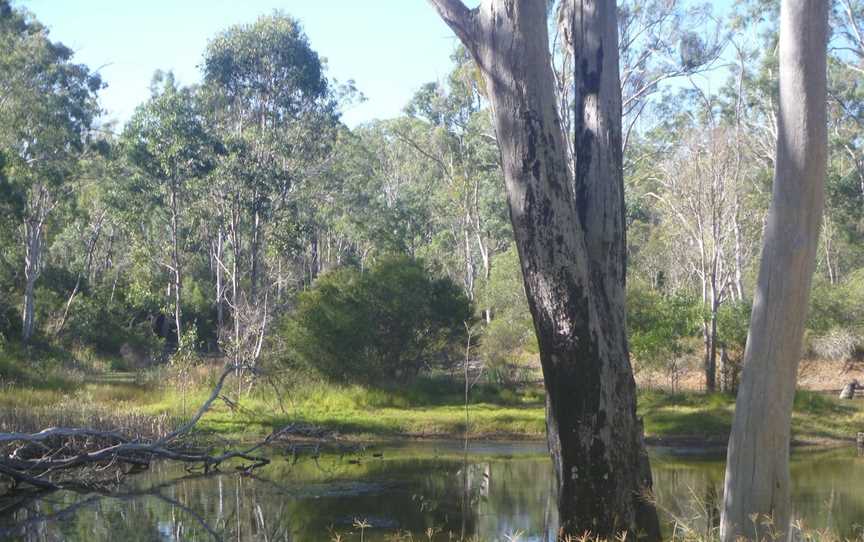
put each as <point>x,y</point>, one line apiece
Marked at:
<point>389,47</point>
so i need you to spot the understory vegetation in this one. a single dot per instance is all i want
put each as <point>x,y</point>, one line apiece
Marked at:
<point>365,276</point>
<point>154,401</point>
<point>238,273</point>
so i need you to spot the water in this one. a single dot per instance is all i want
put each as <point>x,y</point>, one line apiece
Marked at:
<point>503,489</point>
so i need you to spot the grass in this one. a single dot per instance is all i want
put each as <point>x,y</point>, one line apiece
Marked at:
<point>816,417</point>
<point>417,411</point>
<point>431,407</point>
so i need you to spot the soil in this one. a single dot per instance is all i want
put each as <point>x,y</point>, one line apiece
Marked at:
<point>828,376</point>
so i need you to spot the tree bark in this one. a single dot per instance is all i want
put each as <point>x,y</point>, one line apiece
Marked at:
<point>739,257</point>
<point>569,232</point>
<point>175,260</point>
<point>314,258</point>
<point>254,249</point>
<point>218,257</point>
<point>709,332</point>
<point>32,262</point>
<point>237,251</point>
<point>757,471</point>
<point>34,229</point>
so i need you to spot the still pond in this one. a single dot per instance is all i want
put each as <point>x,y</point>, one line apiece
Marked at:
<point>497,491</point>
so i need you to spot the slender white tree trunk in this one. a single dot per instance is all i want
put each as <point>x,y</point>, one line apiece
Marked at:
<point>235,287</point>
<point>34,229</point>
<point>175,261</point>
<point>219,258</point>
<point>470,268</point>
<point>254,249</point>
<point>757,470</point>
<point>32,263</point>
<point>738,292</point>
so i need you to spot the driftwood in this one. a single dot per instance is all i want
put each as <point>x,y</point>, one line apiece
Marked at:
<point>45,459</point>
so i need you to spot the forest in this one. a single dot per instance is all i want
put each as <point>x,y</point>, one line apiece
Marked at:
<point>236,244</point>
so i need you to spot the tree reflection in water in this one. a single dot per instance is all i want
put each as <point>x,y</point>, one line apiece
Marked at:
<point>495,491</point>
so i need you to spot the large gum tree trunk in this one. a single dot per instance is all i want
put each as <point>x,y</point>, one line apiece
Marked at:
<point>569,232</point>
<point>757,471</point>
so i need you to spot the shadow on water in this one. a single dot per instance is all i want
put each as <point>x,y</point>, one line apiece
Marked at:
<point>494,492</point>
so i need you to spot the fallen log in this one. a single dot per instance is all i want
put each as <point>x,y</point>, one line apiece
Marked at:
<point>45,459</point>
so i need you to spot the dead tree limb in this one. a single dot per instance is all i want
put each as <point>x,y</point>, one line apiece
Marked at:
<point>41,459</point>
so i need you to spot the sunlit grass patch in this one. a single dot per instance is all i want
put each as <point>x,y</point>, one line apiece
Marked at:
<point>431,407</point>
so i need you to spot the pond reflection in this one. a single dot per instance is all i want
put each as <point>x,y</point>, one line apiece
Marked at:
<point>501,490</point>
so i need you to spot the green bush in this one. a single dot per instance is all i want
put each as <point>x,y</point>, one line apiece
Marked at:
<point>510,334</point>
<point>837,306</point>
<point>385,324</point>
<point>105,327</point>
<point>733,324</point>
<point>835,325</point>
<point>659,324</point>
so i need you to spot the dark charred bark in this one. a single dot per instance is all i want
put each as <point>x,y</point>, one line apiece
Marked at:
<point>569,230</point>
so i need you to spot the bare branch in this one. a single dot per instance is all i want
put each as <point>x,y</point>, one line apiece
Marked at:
<point>459,18</point>
<point>111,448</point>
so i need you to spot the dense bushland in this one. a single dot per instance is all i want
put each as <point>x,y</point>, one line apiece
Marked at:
<point>244,210</point>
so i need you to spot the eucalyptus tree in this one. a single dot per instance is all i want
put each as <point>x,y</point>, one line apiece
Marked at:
<point>47,106</point>
<point>167,142</point>
<point>457,138</point>
<point>757,486</point>
<point>569,230</point>
<point>399,187</point>
<point>661,42</point>
<point>269,93</point>
<point>84,226</point>
<point>844,209</point>
<point>702,188</point>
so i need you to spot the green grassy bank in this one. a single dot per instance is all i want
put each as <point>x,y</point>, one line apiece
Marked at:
<point>428,408</point>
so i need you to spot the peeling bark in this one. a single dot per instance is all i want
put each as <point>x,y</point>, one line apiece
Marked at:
<point>569,232</point>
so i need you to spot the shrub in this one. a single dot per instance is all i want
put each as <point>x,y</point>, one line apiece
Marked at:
<point>510,335</point>
<point>659,327</point>
<point>839,344</point>
<point>836,306</point>
<point>382,325</point>
<point>105,327</point>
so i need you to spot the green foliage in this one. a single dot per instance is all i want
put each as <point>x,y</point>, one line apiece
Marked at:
<point>659,325</point>
<point>94,322</point>
<point>835,325</point>
<point>837,306</point>
<point>48,104</point>
<point>733,324</point>
<point>510,335</point>
<point>166,137</point>
<point>384,324</point>
<point>270,58</point>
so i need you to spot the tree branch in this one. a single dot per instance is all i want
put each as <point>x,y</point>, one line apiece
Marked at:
<point>459,18</point>
<point>97,447</point>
